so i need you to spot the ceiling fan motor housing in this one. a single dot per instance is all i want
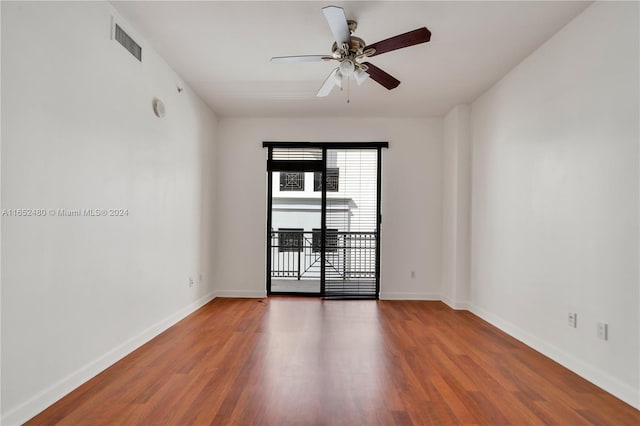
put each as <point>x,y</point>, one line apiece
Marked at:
<point>356,48</point>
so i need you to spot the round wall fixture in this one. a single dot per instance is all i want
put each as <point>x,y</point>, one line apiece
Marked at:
<point>158,108</point>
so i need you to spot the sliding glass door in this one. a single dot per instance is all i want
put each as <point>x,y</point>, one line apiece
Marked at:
<point>324,219</point>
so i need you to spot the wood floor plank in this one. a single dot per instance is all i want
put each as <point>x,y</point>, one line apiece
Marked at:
<point>304,361</point>
<point>451,399</point>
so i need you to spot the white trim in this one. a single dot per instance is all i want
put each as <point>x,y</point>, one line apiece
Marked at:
<point>249,294</point>
<point>408,296</point>
<point>53,393</point>
<point>458,306</point>
<point>598,377</point>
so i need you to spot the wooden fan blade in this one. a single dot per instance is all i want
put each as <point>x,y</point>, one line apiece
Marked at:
<point>304,58</point>
<point>421,35</point>
<point>328,84</point>
<point>386,80</point>
<point>338,23</point>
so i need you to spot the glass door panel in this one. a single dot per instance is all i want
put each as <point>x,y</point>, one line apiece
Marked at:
<point>351,257</point>
<point>296,219</point>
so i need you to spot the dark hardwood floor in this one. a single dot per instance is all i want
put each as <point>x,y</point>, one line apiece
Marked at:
<point>286,361</point>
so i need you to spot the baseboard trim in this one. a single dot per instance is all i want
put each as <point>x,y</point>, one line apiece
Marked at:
<point>599,378</point>
<point>458,306</point>
<point>241,294</point>
<point>44,399</point>
<point>408,296</point>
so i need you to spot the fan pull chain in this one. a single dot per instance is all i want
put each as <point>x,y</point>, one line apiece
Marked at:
<point>348,89</point>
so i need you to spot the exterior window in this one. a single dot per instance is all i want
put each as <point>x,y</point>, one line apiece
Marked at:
<point>331,244</point>
<point>290,239</point>
<point>291,181</point>
<point>332,180</point>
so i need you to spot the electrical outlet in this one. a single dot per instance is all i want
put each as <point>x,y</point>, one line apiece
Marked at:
<point>603,331</point>
<point>190,282</point>
<point>573,319</point>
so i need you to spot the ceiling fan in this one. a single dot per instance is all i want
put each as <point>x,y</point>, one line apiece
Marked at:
<point>349,51</point>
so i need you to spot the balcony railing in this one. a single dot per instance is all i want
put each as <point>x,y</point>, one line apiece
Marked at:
<point>295,254</point>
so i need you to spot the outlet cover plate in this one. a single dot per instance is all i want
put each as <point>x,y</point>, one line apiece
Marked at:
<point>572,319</point>
<point>603,331</point>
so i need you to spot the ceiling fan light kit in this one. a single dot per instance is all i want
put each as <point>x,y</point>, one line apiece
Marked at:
<point>360,75</point>
<point>347,67</point>
<point>349,50</point>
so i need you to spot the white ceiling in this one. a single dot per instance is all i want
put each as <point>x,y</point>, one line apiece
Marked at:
<point>222,50</point>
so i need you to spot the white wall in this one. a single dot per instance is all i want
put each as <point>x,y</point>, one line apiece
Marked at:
<point>79,132</point>
<point>555,198</point>
<point>456,207</point>
<point>410,198</point>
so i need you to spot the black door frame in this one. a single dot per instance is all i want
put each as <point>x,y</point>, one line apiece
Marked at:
<point>318,166</point>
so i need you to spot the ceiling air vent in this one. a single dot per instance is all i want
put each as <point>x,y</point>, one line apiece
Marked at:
<point>128,43</point>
